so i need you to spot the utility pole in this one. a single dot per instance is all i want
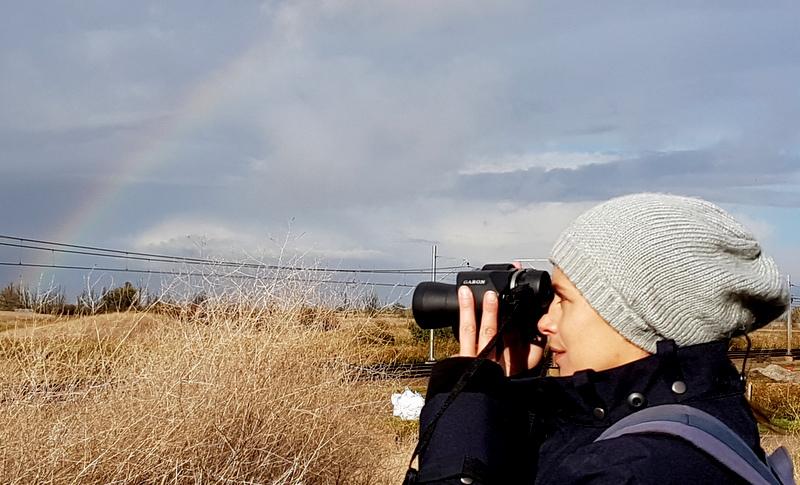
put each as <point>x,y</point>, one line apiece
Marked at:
<point>789,318</point>
<point>431,357</point>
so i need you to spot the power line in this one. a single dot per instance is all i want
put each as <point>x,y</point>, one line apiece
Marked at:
<point>89,253</point>
<point>162,258</point>
<point>207,275</point>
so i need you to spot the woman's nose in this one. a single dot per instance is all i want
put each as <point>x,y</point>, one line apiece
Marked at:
<point>547,323</point>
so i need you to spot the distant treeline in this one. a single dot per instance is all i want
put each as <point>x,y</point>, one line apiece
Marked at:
<point>128,297</point>
<point>54,301</point>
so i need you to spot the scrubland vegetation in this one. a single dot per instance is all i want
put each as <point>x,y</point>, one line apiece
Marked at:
<point>236,388</point>
<point>241,385</point>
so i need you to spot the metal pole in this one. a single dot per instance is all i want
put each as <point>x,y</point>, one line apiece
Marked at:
<point>431,357</point>
<point>789,318</point>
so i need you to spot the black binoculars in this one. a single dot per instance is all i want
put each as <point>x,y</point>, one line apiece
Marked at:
<point>524,295</point>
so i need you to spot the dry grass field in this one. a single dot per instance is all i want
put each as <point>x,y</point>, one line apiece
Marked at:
<point>18,320</point>
<point>773,336</point>
<point>139,398</point>
<point>238,397</point>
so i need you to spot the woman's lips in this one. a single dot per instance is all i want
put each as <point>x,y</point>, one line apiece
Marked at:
<point>557,353</point>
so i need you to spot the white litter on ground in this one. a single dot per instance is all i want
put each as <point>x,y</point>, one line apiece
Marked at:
<point>408,404</point>
<point>778,373</point>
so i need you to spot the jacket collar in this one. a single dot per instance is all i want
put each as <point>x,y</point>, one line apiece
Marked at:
<point>671,375</point>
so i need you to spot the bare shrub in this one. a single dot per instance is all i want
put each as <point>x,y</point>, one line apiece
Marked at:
<point>777,400</point>
<point>11,297</point>
<point>376,332</point>
<point>318,316</point>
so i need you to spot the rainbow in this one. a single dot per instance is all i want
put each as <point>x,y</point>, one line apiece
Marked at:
<point>193,110</point>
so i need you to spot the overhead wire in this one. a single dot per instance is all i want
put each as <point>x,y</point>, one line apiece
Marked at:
<point>162,258</point>
<point>200,274</point>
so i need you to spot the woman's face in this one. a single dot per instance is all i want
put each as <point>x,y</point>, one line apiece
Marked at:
<point>578,336</point>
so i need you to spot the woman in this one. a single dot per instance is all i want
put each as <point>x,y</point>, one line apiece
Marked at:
<point>649,289</point>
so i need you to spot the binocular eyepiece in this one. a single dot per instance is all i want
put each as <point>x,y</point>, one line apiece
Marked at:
<point>524,295</point>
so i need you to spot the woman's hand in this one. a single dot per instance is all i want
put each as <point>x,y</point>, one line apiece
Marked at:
<point>518,355</point>
<point>472,341</point>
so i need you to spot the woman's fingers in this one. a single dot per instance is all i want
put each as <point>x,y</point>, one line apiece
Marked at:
<point>466,323</point>
<point>471,340</point>
<point>488,319</point>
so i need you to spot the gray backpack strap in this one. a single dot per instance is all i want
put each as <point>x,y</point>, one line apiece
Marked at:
<point>781,464</point>
<point>709,435</point>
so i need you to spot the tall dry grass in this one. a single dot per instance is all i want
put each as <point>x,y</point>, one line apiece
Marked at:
<point>245,389</point>
<point>772,336</point>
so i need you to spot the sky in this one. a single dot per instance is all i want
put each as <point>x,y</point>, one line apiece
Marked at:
<point>356,134</point>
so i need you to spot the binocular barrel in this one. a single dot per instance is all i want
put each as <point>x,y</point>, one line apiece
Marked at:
<point>435,305</point>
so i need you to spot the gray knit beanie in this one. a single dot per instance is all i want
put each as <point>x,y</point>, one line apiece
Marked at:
<point>658,266</point>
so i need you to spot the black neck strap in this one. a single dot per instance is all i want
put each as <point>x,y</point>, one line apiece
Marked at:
<point>426,434</point>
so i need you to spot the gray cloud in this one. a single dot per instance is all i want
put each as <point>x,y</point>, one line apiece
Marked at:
<point>723,174</point>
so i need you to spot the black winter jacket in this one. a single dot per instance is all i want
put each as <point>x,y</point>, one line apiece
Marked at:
<point>541,430</point>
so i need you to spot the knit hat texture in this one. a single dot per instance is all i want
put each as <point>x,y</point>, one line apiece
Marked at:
<point>659,266</point>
